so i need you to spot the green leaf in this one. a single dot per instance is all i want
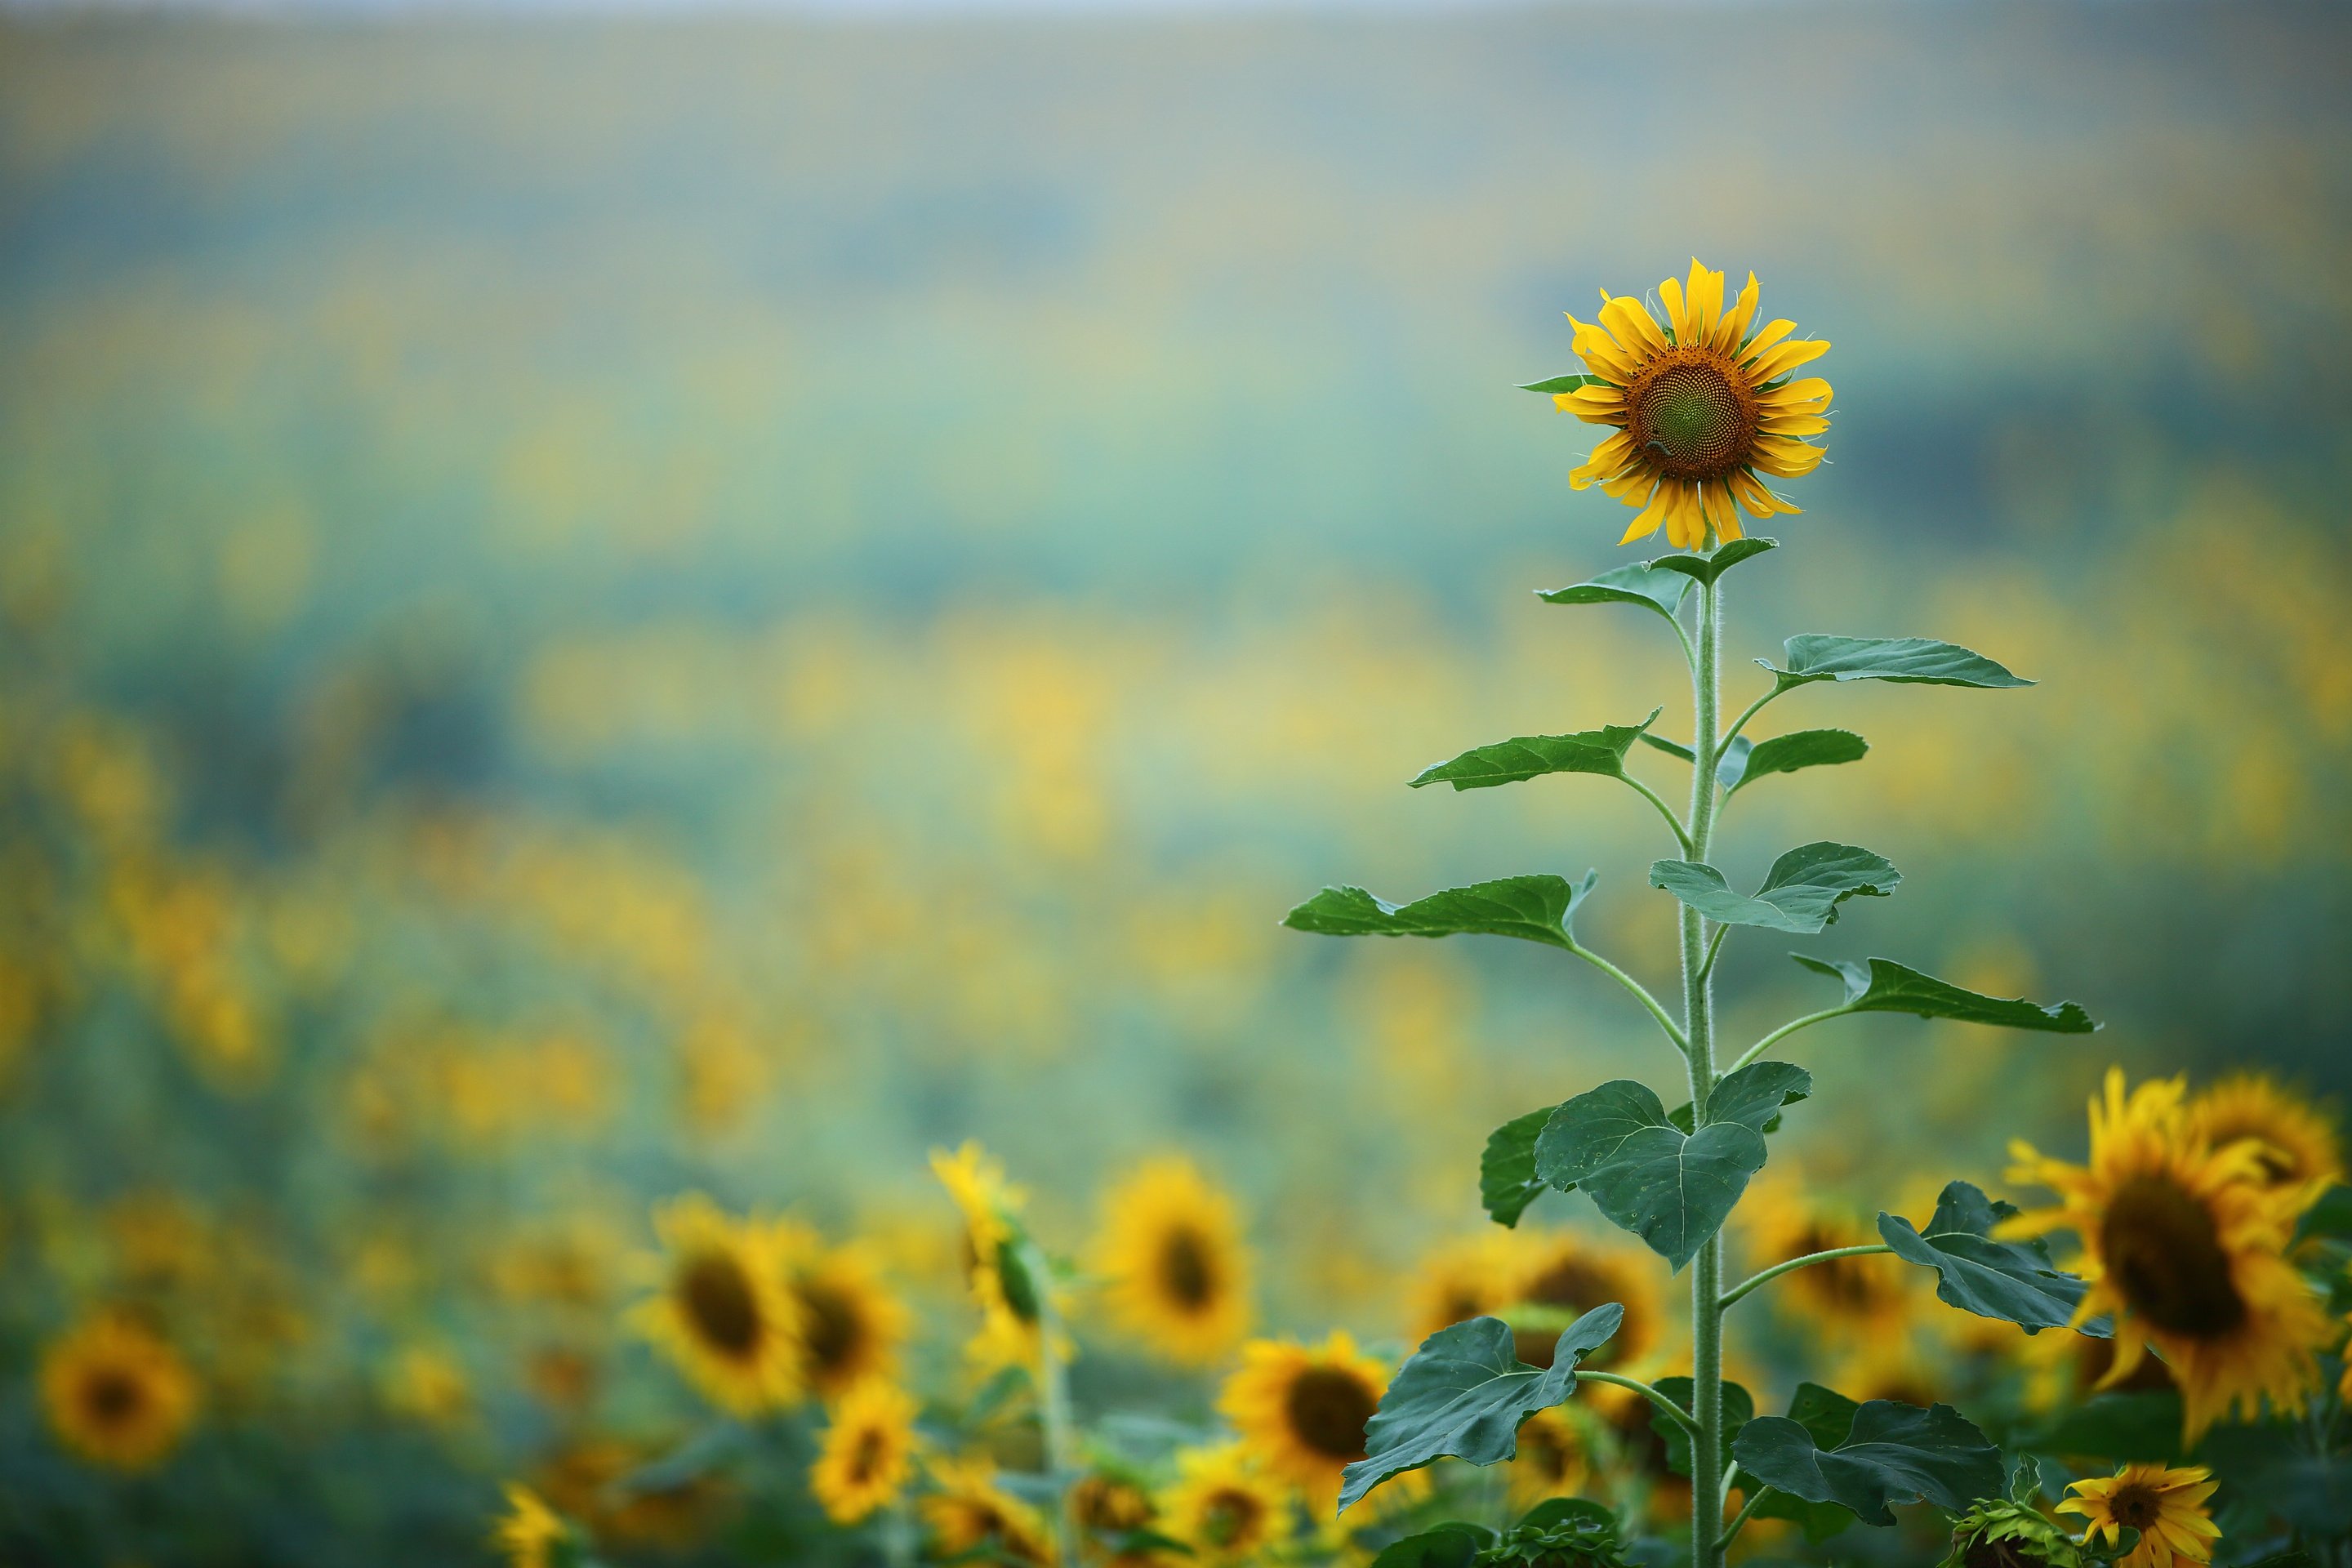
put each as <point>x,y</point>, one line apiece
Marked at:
<point>1672,748</point>
<point>1559,384</point>
<point>2011,1281</point>
<point>1800,893</point>
<point>1507,1181</point>
<point>1670,1188</point>
<point>1744,765</point>
<point>1464,1394</point>
<point>1556,1512</point>
<point>1894,1453</point>
<point>1738,1409</point>
<point>2330,1217</point>
<point>1884,985</point>
<point>1707,568</point>
<point>1453,1544</point>
<point>1515,760</point>
<point>1535,909</point>
<point>1636,584</point>
<point>1916,661</point>
<point>1829,1417</point>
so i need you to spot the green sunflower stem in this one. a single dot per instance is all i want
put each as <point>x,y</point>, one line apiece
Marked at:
<point>1698,1031</point>
<point>1054,1406</point>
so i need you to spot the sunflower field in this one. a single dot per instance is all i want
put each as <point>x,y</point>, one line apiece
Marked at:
<point>911,788</point>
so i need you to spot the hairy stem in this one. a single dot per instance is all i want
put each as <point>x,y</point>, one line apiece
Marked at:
<point>1767,1275</point>
<point>1698,1031</point>
<point>1784,1031</point>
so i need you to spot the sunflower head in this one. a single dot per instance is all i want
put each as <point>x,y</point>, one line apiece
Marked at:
<point>1224,1506</point>
<point>2166,1505</point>
<point>1999,1533</point>
<point>867,1453</point>
<point>850,1324</point>
<point>1704,407</point>
<point>1171,1252</point>
<point>968,1515</point>
<point>1301,1409</point>
<point>530,1534</point>
<point>1008,1291</point>
<point>2296,1142</point>
<point>116,1394</point>
<point>721,1309</point>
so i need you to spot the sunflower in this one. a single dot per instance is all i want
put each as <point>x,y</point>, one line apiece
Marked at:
<point>867,1453</point>
<point>1171,1252</point>
<point>531,1532</point>
<point>1572,1275</point>
<point>970,1515</point>
<point>1301,1409</point>
<point>2183,1243</point>
<point>850,1323</point>
<point>1552,1460</point>
<point>2297,1141</point>
<point>1111,1510</point>
<point>1783,1221</point>
<point>115,1392</point>
<point>2167,1507</point>
<point>1223,1505</point>
<point>1473,1277</point>
<point>1005,1288</point>
<point>722,1311</point>
<point>1703,407</point>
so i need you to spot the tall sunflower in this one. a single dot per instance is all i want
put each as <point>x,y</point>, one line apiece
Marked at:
<point>1177,1273</point>
<point>530,1535</point>
<point>1705,408</point>
<point>867,1453</point>
<point>1224,1506</point>
<point>2183,1243</point>
<point>850,1324</point>
<point>116,1394</point>
<point>2297,1141</point>
<point>1008,1292</point>
<point>969,1516</point>
<point>1782,1220</point>
<point>721,1309</point>
<point>1301,1409</point>
<point>2166,1505</point>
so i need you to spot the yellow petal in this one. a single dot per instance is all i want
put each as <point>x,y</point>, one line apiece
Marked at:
<point>1625,317</point>
<point>1671,294</point>
<point>1593,405</point>
<point>1765,340</point>
<point>1606,460</point>
<point>1604,354</point>
<point>1759,502</point>
<point>1716,498</point>
<point>1779,362</point>
<point>1811,395</point>
<point>1633,486</point>
<point>1704,293</point>
<point>1726,336</point>
<point>1794,425</point>
<point>1788,459</point>
<point>1646,523</point>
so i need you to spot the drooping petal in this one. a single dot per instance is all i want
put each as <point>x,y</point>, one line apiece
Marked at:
<point>1787,460</point>
<point>1603,405</point>
<point>1633,486</point>
<point>1759,502</point>
<point>1715,500</point>
<point>1606,460</point>
<point>1625,316</point>
<point>1647,523</point>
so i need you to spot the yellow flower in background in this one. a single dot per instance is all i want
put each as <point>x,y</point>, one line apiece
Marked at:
<point>116,1394</point>
<point>1003,1284</point>
<point>2184,1244</point>
<point>1301,1409</point>
<point>1472,1277</point>
<point>1553,1460</point>
<point>968,1515</point>
<point>723,1312</point>
<point>851,1325</point>
<point>2298,1143</point>
<point>428,1384</point>
<point>867,1453</point>
<point>530,1532</point>
<point>1703,407</point>
<point>1109,1507</point>
<point>1783,1219</point>
<point>1171,1255</point>
<point>1571,1274</point>
<point>1224,1506</point>
<point>2166,1505</point>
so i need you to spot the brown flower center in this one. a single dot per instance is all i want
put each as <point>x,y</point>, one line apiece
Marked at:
<point>2164,1252</point>
<point>833,1332</point>
<point>2136,1506</point>
<point>1573,1285</point>
<point>1691,413</point>
<point>1328,1409</point>
<point>113,1398</point>
<point>721,1303</point>
<point>1232,1519</point>
<point>1187,1271</point>
<point>867,1457</point>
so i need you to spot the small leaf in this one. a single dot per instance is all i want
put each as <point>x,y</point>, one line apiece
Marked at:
<point>1560,384</point>
<point>1738,1409</point>
<point>1916,661</point>
<point>1800,893</point>
<point>1536,908</point>
<point>1507,1181</point>
<point>2014,1281</point>
<point>1453,1544</point>
<point>1894,1453</point>
<point>1886,986</point>
<point>1707,568</point>
<point>1661,592</point>
<point>2025,1481</point>
<point>1787,753</point>
<point>1464,1394</point>
<point>1670,1187</point>
<point>1672,748</point>
<point>1601,751</point>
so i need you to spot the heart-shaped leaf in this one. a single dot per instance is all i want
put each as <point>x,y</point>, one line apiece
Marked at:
<point>1661,592</point>
<point>1601,751</point>
<point>1916,661</point>
<point>1535,909</point>
<point>1744,763</point>
<point>1894,1453</point>
<point>1707,568</point>
<point>1670,1187</point>
<point>2011,1281</point>
<point>1800,893</point>
<point>1507,1181</point>
<point>1464,1394</point>
<point>1883,986</point>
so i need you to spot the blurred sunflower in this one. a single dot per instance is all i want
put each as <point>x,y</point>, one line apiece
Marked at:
<point>1223,1505</point>
<point>850,1324</point>
<point>2183,1244</point>
<point>970,1516</point>
<point>1572,1275</point>
<point>2297,1141</point>
<point>723,1311</point>
<point>1703,407</point>
<point>1005,1288</point>
<point>1171,1252</point>
<point>1111,1508</point>
<point>531,1534</point>
<point>867,1452</point>
<point>116,1394</point>
<point>1301,1409</point>
<point>1552,1459</point>
<point>1783,1220</point>
<point>1472,1277</point>
<point>2166,1505</point>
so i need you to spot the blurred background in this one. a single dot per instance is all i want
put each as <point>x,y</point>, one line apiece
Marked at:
<point>593,605</point>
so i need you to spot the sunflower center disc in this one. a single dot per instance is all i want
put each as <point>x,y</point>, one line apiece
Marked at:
<point>2136,1507</point>
<point>114,1398</point>
<point>833,1330</point>
<point>1230,1517</point>
<point>1184,1268</point>
<point>1328,1409</point>
<point>1572,1286</point>
<point>719,1299</point>
<point>2161,1246</point>
<point>1691,419</point>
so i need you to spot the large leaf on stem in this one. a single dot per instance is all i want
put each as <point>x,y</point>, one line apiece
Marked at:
<point>1745,763</point>
<point>1524,757</point>
<point>1916,661</point>
<point>1800,893</point>
<point>1723,558</point>
<point>2012,1280</point>
<point>1535,909</point>
<point>1894,1453</point>
<point>1883,986</point>
<point>1660,593</point>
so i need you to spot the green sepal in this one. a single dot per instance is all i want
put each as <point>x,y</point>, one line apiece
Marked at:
<point>1915,661</point>
<point>1800,893</point>
<point>1507,1181</point>
<point>1658,592</point>
<point>1464,1394</point>
<point>1560,384</point>
<point>1883,986</point>
<point>1533,909</point>
<point>1454,1544</point>
<point>1738,1409</point>
<point>2013,1281</point>
<point>2026,1536</point>
<point>1893,1452</point>
<point>1707,568</point>
<point>1524,757</point>
<point>1745,761</point>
